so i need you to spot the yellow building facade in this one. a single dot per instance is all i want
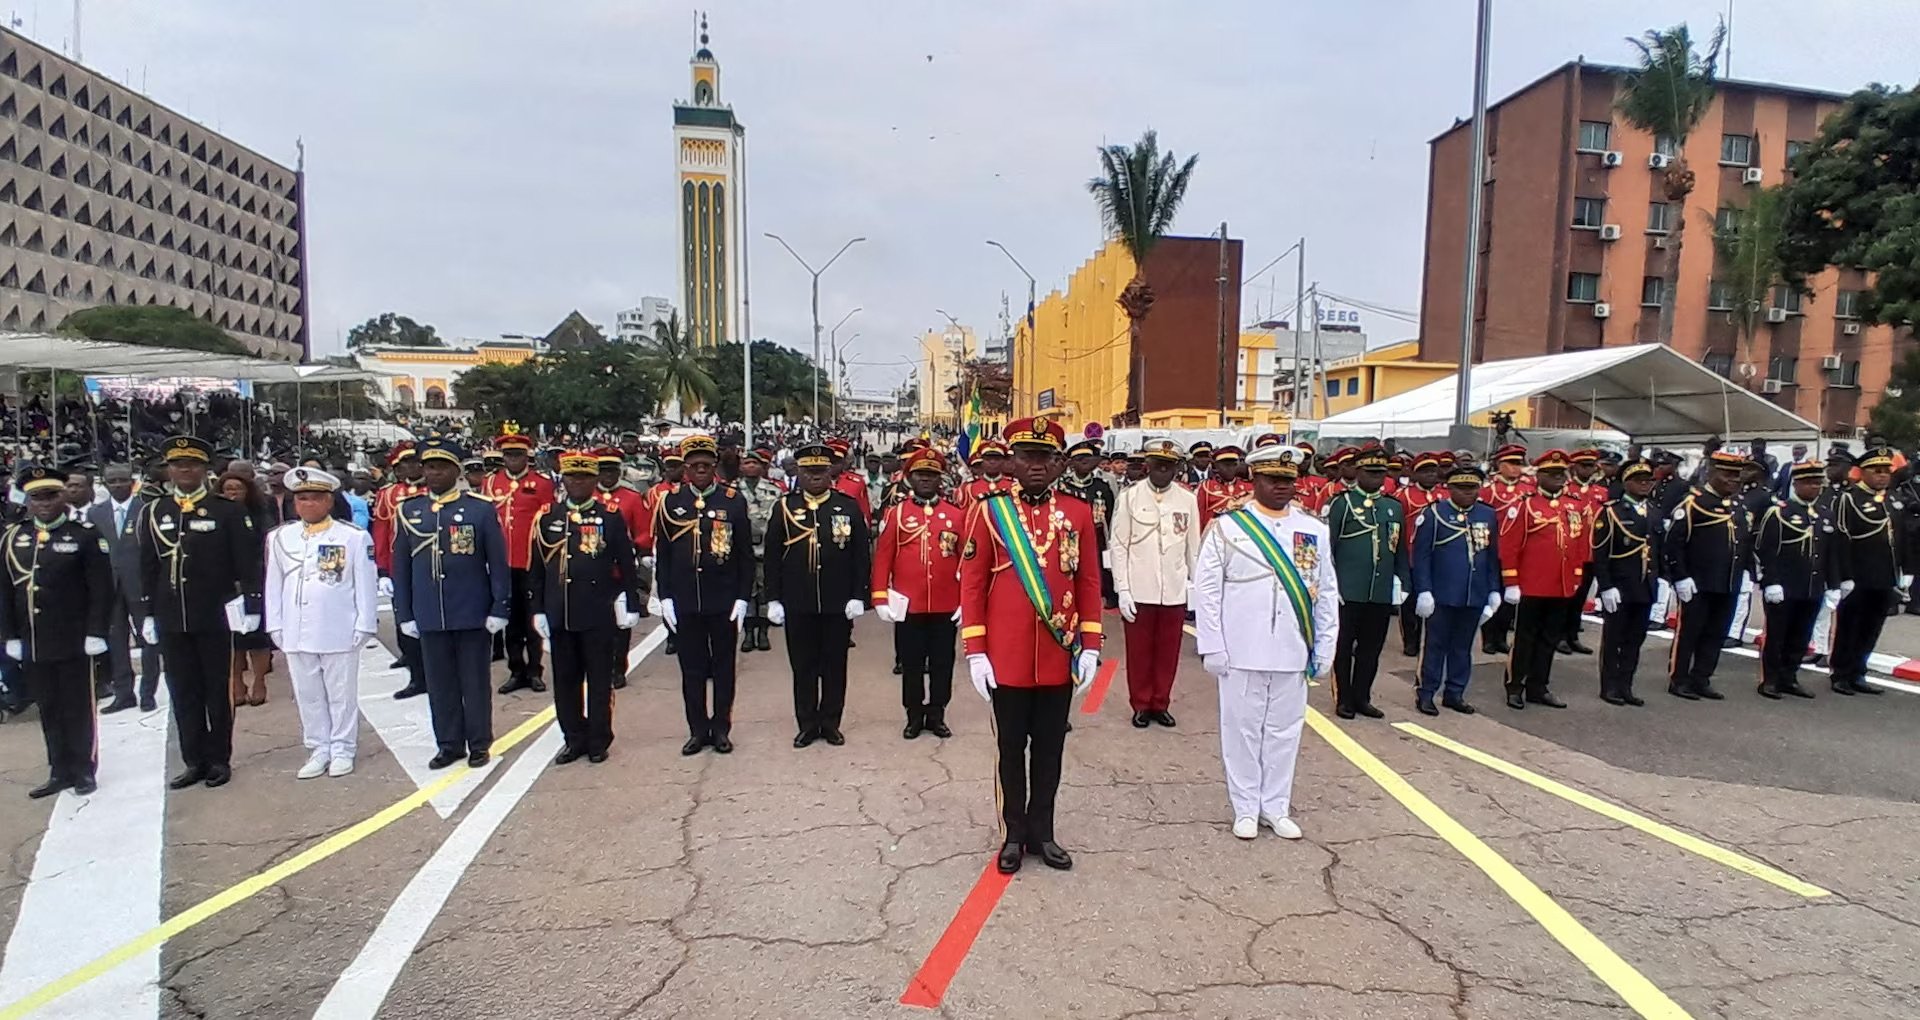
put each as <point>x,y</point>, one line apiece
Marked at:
<point>426,377</point>
<point>1388,372</point>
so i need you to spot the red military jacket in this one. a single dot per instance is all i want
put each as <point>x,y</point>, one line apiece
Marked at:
<point>519,502</point>
<point>997,618</point>
<point>1501,493</point>
<point>917,553</point>
<point>649,505</point>
<point>1594,492</point>
<point>1217,498</point>
<point>1545,543</point>
<point>977,489</point>
<point>386,506</point>
<point>632,508</point>
<point>1413,500</point>
<point>854,485</point>
<point>1316,501</point>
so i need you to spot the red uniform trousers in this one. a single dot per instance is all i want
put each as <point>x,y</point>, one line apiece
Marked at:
<point>1154,640</point>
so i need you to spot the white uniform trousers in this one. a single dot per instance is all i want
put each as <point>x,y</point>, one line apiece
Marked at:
<point>1823,624</point>
<point>326,685</point>
<point>1663,595</point>
<point>1261,715</point>
<point>1737,627</point>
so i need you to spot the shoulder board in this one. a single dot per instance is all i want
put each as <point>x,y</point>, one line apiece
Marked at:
<point>730,491</point>
<point>83,522</point>
<point>1077,497</point>
<point>349,525</point>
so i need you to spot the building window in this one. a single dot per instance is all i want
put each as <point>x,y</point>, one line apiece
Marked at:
<point>1583,287</point>
<point>1653,291</point>
<point>1736,150</point>
<point>1786,297</point>
<point>1794,149</point>
<point>1726,222</point>
<point>1849,374</point>
<point>1783,369</point>
<point>1589,213</point>
<point>1659,217</point>
<point>1846,304</point>
<point>1353,386</point>
<point>1720,363</point>
<point>1663,144</point>
<point>1333,388</point>
<point>1594,135</point>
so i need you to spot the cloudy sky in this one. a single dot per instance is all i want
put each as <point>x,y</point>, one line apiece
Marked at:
<point>487,166</point>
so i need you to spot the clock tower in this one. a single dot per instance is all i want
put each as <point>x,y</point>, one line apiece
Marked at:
<point>707,142</point>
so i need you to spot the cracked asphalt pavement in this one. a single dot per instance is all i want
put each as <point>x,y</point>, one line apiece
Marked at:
<point>813,883</point>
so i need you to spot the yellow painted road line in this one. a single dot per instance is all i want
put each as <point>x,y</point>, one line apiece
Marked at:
<point>1691,844</point>
<point>248,888</point>
<point>1632,987</point>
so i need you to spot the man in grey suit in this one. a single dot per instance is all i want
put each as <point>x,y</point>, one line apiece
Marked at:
<point>116,520</point>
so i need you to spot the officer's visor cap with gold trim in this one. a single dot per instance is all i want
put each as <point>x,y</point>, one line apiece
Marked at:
<point>1812,469</point>
<point>187,448</point>
<point>1876,457</point>
<point>699,442</point>
<point>1267,439</point>
<point>1729,461</point>
<point>1037,433</point>
<point>1373,458</point>
<point>671,455</point>
<point>579,462</point>
<point>307,479</point>
<point>1226,454</point>
<point>441,448</point>
<point>1552,460</point>
<point>814,455</point>
<point>926,459</point>
<point>40,478</point>
<point>1426,459</point>
<point>1512,453</point>
<point>1162,449</point>
<point>609,456</point>
<point>1087,446</point>
<point>511,438</point>
<point>1465,474</point>
<point>1636,469</point>
<point>1273,462</point>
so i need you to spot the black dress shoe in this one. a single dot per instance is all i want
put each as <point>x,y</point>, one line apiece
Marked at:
<point>515,682</point>
<point>723,744</point>
<point>119,705</point>
<point>1768,691</point>
<point>1052,854</point>
<point>938,727</point>
<point>443,759</point>
<point>1069,725</point>
<point>596,757</point>
<point>1409,651</point>
<point>1613,699</point>
<point>1164,718</point>
<point>911,730</point>
<point>85,786</point>
<point>1862,687</point>
<point>620,682</point>
<point>1565,647</point>
<point>765,646</point>
<point>1732,642</point>
<point>1516,701</point>
<point>48,788</point>
<point>568,755</point>
<point>804,737</point>
<point>1706,691</point>
<point>1636,702</point>
<point>1682,691</point>
<point>1458,705</point>
<point>409,691</point>
<point>897,670</point>
<point>1142,720</point>
<point>1489,648</point>
<point>832,735</point>
<point>147,704</point>
<point>1009,859</point>
<point>1794,690</point>
<point>1343,711</point>
<point>1547,698</point>
<point>1425,705</point>
<point>192,776</point>
<point>536,685</point>
<point>1842,687</point>
<point>693,745</point>
<point>1578,648</point>
<point>671,645</point>
<point>747,643</point>
<point>1367,709</point>
<point>397,664</point>
<point>218,776</point>
<point>1821,661</point>
<point>478,759</point>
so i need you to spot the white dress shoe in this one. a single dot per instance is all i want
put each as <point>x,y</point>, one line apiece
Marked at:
<point>340,767</point>
<point>1245,828</point>
<point>1282,827</point>
<point>315,767</point>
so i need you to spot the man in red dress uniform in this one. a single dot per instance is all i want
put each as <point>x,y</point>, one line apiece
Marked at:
<point>519,495</point>
<point>404,461</point>
<point>1029,647</point>
<point>1423,489</point>
<point>1508,486</point>
<point>1545,543</point>
<point>1225,491</point>
<point>990,474</point>
<point>848,478</point>
<point>916,587</point>
<point>631,506</point>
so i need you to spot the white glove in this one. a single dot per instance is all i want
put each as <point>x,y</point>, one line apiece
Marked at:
<point>1906,580</point>
<point>1684,589</point>
<point>623,617</point>
<point>1610,600</point>
<point>776,614</point>
<point>496,624</point>
<point>739,611</point>
<point>149,631</point>
<point>1832,598</point>
<point>1084,670</point>
<point>542,626</point>
<point>238,619</point>
<point>249,623</point>
<point>956,616</point>
<point>385,587</point>
<point>1423,605</point>
<point>885,611</point>
<point>1128,608</point>
<point>855,609</point>
<point>1215,663</point>
<point>360,638</point>
<point>1846,588</point>
<point>1774,594</point>
<point>410,629</point>
<point>647,562</point>
<point>1493,606</point>
<point>666,613</point>
<point>1399,592</point>
<point>982,673</point>
<point>1512,595</point>
<point>653,603</point>
<point>94,646</point>
<point>16,650</point>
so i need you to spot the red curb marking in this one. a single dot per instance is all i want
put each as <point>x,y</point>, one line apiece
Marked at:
<point>1101,681</point>
<point>928,986</point>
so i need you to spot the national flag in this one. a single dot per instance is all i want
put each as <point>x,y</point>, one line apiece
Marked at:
<point>969,428</point>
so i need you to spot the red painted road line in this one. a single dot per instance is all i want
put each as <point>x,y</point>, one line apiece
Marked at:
<point>1101,681</point>
<point>929,984</point>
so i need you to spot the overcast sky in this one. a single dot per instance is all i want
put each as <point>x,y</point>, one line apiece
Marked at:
<point>487,166</point>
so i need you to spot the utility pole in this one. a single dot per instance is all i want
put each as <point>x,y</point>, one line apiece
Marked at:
<point>1470,279</point>
<point>1033,340</point>
<point>1221,281</point>
<point>1299,330</point>
<point>746,303</point>
<point>816,273</point>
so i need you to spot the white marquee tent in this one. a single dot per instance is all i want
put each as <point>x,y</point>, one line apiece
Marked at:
<point>41,352</point>
<point>1648,391</point>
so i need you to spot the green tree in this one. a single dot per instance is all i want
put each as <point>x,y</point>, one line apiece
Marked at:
<point>390,330</point>
<point>782,381</point>
<point>151,326</point>
<point>1139,191</point>
<point>672,359</point>
<point>1746,244</point>
<point>579,388</point>
<point>1667,96</point>
<point>994,380</point>
<point>499,392</point>
<point>1897,415</point>
<point>1854,200</point>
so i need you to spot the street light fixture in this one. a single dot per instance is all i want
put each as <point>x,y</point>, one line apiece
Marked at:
<point>1032,341</point>
<point>816,273</point>
<point>833,410</point>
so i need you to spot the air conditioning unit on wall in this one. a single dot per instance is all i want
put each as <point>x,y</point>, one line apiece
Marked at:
<point>1602,310</point>
<point>1770,386</point>
<point>1850,328</point>
<point>1610,232</point>
<point>1776,315</point>
<point>1831,362</point>
<point>1611,158</point>
<point>1659,161</point>
<point>1751,175</point>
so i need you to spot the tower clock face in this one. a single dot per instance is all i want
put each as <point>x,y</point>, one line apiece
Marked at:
<point>703,93</point>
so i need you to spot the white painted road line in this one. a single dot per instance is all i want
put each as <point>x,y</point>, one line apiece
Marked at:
<point>363,987</point>
<point>1752,653</point>
<point>96,880</point>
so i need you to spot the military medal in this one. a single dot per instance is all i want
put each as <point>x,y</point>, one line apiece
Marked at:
<point>842,529</point>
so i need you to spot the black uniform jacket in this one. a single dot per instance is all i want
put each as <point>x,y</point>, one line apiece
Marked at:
<point>818,556</point>
<point>583,559</point>
<point>193,562</point>
<point>59,589</point>
<point>1626,549</point>
<point>702,549</point>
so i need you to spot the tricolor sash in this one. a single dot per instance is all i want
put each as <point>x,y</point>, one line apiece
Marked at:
<point>1282,566</point>
<point>1026,565</point>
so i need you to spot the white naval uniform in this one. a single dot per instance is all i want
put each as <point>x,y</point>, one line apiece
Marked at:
<point>1154,538</point>
<point>320,611</point>
<point>1241,611</point>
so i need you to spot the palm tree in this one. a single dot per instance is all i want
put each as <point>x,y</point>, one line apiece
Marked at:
<point>1138,192</point>
<point>1667,97</point>
<point>1746,245</point>
<point>672,357</point>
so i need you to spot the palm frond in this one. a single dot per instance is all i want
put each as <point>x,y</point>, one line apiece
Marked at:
<point>1673,87</point>
<point>1139,192</point>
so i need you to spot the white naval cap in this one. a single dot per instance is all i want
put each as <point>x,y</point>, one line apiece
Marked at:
<point>310,479</point>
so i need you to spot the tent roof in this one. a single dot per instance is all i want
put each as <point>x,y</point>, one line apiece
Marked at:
<point>40,352</point>
<point>1648,391</point>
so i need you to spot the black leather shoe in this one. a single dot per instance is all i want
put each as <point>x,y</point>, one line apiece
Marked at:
<point>119,705</point>
<point>693,745</point>
<point>1632,700</point>
<point>443,759</point>
<point>536,685</point>
<point>1706,691</point>
<point>620,682</point>
<point>218,776</point>
<point>1052,854</point>
<point>1547,698</point>
<point>1768,691</point>
<point>1343,711</point>
<point>804,737</point>
<point>1425,705</point>
<point>596,757</point>
<point>1369,711</point>
<point>147,704</point>
<point>938,727</point>
<point>1142,720</point>
<point>1489,648</point>
<point>1009,859</point>
<point>191,777</point>
<point>1564,647</point>
<point>478,759</point>
<point>723,744</point>
<point>1862,687</point>
<point>409,691</point>
<point>1409,651</point>
<point>397,664</point>
<point>911,730</point>
<point>85,786</point>
<point>1732,642</point>
<point>765,645</point>
<point>897,670</point>
<point>671,645</point>
<point>1578,648</point>
<point>1069,725</point>
<point>747,642</point>
<point>1613,699</point>
<point>568,755</point>
<point>1458,705</point>
<point>1842,687</point>
<point>1164,718</point>
<point>1794,690</point>
<point>832,735</point>
<point>1682,691</point>
<point>515,682</point>
<point>1516,701</point>
<point>48,788</point>
<point>1821,661</point>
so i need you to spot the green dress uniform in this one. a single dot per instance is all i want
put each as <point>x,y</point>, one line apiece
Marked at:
<point>1368,532</point>
<point>762,495</point>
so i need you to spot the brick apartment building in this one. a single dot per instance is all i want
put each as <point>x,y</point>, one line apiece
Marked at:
<point>1573,243</point>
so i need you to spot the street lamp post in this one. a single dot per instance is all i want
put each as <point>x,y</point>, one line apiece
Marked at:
<point>1032,341</point>
<point>815,273</point>
<point>833,353</point>
<point>833,410</point>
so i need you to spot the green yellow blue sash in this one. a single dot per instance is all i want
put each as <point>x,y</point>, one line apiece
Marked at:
<point>1289,575</point>
<point>1026,564</point>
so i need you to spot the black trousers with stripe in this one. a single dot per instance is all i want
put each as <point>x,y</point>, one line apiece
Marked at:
<point>1696,645</point>
<point>1538,625</point>
<point>1623,633</point>
<point>64,691</point>
<point>1030,724</point>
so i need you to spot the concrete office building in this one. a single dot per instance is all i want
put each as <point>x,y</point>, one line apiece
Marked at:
<point>109,198</point>
<point>635,325</point>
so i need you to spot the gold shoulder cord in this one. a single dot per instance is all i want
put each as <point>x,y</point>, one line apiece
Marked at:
<point>169,547</point>
<point>798,531</point>
<point>548,550</point>
<point>1636,545</point>
<point>19,570</point>
<point>1453,530</point>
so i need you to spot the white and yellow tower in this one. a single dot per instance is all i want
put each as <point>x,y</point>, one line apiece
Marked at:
<point>707,142</point>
